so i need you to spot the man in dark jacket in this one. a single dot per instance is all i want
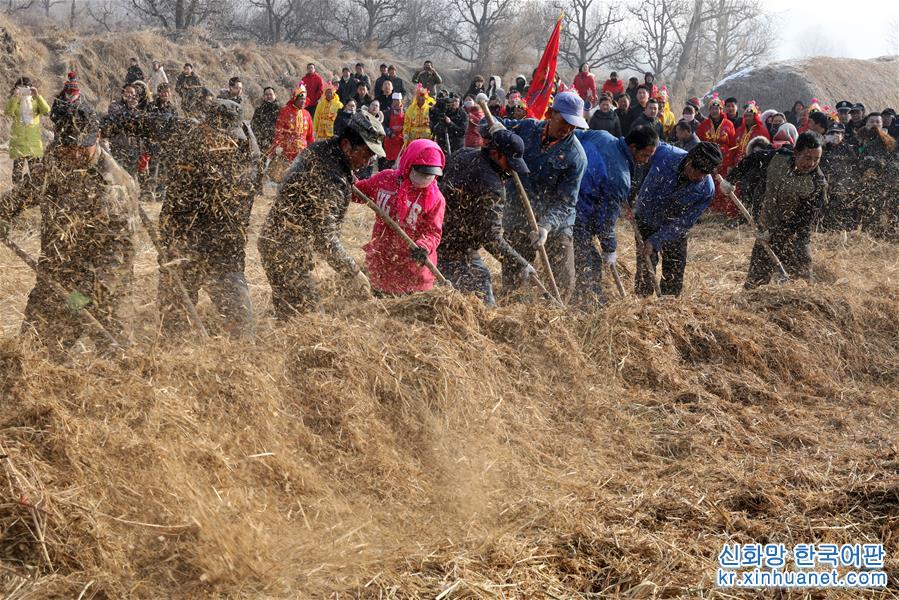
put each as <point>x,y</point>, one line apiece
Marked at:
<point>842,212</point>
<point>649,118</point>
<point>360,77</point>
<point>379,82</point>
<point>135,73</point>
<point>305,217</point>
<point>398,84</point>
<point>795,191</point>
<point>604,118</point>
<point>188,87</point>
<point>346,87</point>
<point>204,220</point>
<point>623,111</point>
<point>473,185</point>
<point>750,174</point>
<point>428,78</point>
<point>684,136</point>
<point>449,125</point>
<point>638,106</point>
<point>264,118</point>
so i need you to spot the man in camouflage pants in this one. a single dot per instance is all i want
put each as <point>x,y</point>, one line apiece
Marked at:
<point>88,218</point>
<point>204,219</point>
<point>306,216</point>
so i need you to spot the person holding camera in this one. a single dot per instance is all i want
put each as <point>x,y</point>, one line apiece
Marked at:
<point>25,107</point>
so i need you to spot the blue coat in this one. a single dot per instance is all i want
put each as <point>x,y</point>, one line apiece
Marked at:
<point>553,183</point>
<point>667,205</point>
<point>605,185</point>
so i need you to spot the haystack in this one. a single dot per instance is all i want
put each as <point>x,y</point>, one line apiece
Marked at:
<point>779,85</point>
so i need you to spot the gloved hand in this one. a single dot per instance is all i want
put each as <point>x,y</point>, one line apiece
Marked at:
<point>362,283</point>
<point>526,273</point>
<point>279,151</point>
<point>496,126</point>
<point>76,301</point>
<point>726,186</point>
<point>538,238</point>
<point>610,258</point>
<point>418,254</point>
<point>763,235</point>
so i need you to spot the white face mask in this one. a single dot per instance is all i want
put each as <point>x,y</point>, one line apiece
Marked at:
<point>420,180</point>
<point>688,117</point>
<point>468,103</point>
<point>832,139</point>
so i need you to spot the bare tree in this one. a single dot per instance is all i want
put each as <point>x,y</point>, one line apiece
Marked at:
<point>176,14</point>
<point>47,5</point>
<point>13,6</point>
<point>276,21</point>
<point>470,31</point>
<point>739,34</point>
<point>591,34</point>
<point>367,24</point>
<point>658,24</point>
<point>108,14</point>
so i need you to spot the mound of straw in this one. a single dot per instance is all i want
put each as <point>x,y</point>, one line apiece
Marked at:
<point>430,447</point>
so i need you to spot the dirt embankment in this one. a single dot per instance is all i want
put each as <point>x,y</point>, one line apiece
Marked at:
<point>102,60</point>
<point>780,84</point>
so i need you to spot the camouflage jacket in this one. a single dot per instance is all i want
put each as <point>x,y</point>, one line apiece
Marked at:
<point>311,204</point>
<point>89,215</point>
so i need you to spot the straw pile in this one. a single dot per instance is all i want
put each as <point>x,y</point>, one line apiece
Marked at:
<point>429,447</point>
<point>780,84</point>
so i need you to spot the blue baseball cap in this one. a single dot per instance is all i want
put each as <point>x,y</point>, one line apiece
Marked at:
<point>512,147</point>
<point>571,107</point>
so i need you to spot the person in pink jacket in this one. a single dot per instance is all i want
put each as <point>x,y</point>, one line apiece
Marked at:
<point>411,197</point>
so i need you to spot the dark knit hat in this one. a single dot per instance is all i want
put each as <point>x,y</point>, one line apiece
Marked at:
<point>705,156</point>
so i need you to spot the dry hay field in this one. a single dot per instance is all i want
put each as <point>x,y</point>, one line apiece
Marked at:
<point>429,447</point>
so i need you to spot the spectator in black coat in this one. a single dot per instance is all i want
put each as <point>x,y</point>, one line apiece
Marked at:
<point>605,118</point>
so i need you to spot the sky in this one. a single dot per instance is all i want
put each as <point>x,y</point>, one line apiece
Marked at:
<point>834,27</point>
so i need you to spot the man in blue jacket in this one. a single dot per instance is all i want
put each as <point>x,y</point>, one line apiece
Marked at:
<point>610,166</point>
<point>557,163</point>
<point>675,192</point>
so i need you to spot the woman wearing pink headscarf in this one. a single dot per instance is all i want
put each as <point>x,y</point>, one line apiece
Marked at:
<point>411,197</point>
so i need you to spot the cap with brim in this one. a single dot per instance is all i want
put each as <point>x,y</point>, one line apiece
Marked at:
<point>844,105</point>
<point>888,112</point>
<point>571,107</point>
<point>370,130</point>
<point>859,107</point>
<point>429,170</point>
<point>512,147</point>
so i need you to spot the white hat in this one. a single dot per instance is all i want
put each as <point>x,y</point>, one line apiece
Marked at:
<point>396,96</point>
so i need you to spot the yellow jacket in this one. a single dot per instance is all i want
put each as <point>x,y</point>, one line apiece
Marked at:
<point>25,138</point>
<point>325,114</point>
<point>418,121</point>
<point>667,119</point>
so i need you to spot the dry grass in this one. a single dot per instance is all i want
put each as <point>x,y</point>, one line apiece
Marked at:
<point>828,79</point>
<point>427,445</point>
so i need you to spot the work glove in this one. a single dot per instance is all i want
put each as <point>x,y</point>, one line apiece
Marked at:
<point>362,283</point>
<point>610,258</point>
<point>279,151</point>
<point>526,273</point>
<point>418,255</point>
<point>763,235</point>
<point>538,238</point>
<point>726,186</point>
<point>76,301</point>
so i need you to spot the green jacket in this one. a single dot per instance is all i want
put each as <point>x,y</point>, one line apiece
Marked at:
<point>25,138</point>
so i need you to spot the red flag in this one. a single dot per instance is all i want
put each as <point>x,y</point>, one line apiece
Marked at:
<point>541,85</point>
